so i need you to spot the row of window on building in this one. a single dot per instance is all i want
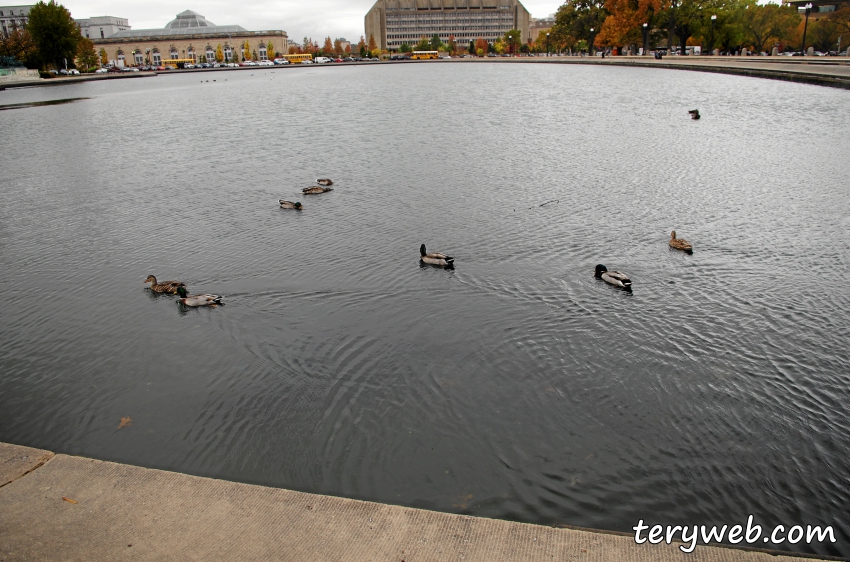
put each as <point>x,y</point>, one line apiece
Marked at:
<point>156,55</point>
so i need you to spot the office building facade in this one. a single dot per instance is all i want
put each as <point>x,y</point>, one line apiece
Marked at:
<point>395,22</point>
<point>13,17</point>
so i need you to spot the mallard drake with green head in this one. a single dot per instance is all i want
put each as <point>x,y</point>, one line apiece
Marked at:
<point>680,243</point>
<point>435,258</point>
<point>315,190</point>
<point>613,277</point>
<point>290,205</point>
<point>169,287</point>
<point>198,300</point>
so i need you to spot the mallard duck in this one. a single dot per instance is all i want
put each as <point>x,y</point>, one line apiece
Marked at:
<point>680,243</point>
<point>290,205</point>
<point>315,189</point>
<point>613,277</point>
<point>694,113</point>
<point>326,182</point>
<point>198,300</point>
<point>169,287</point>
<point>435,258</point>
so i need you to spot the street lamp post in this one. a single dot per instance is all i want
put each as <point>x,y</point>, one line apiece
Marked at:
<point>711,40</point>
<point>590,47</point>
<point>805,27</point>
<point>547,44</point>
<point>645,38</point>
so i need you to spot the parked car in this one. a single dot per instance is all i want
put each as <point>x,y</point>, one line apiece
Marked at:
<point>306,61</point>
<point>129,69</point>
<point>348,59</point>
<point>63,72</point>
<point>74,72</point>
<point>101,71</point>
<point>265,63</point>
<point>114,69</point>
<point>281,61</point>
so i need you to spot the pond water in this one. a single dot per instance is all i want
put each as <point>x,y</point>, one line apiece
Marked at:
<point>514,386</point>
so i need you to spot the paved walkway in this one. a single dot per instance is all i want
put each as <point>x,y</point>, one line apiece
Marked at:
<point>61,507</point>
<point>824,71</point>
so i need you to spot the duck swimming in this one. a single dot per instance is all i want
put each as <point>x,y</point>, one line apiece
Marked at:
<point>198,300</point>
<point>694,113</point>
<point>169,287</point>
<point>435,258</point>
<point>680,243</point>
<point>290,205</point>
<point>326,182</point>
<point>315,190</point>
<point>613,277</point>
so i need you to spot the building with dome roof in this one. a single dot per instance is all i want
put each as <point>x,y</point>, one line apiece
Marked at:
<point>190,37</point>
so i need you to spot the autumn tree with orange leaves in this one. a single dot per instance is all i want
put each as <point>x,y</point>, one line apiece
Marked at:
<point>624,25</point>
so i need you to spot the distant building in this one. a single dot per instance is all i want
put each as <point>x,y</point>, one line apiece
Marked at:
<point>344,43</point>
<point>189,37</point>
<point>102,26</point>
<point>394,22</point>
<point>13,17</point>
<point>536,26</point>
<point>820,8</point>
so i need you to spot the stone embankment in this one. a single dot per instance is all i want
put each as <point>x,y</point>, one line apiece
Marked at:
<point>62,507</point>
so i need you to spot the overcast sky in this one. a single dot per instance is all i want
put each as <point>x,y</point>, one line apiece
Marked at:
<point>317,18</point>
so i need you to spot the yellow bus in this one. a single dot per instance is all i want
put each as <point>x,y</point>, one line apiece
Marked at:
<point>298,59</point>
<point>420,55</point>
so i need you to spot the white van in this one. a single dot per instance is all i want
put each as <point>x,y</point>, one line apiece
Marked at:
<point>322,60</point>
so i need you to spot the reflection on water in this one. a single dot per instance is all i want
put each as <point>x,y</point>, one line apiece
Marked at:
<point>39,103</point>
<point>514,386</point>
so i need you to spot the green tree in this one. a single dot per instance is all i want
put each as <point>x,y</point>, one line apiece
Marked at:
<point>769,24</point>
<point>513,38</point>
<point>573,22</point>
<point>436,43</point>
<point>405,48</point>
<point>86,55</point>
<point>471,47</point>
<point>825,33</point>
<point>54,33</point>
<point>423,45</point>
<point>842,17</point>
<point>219,53</point>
